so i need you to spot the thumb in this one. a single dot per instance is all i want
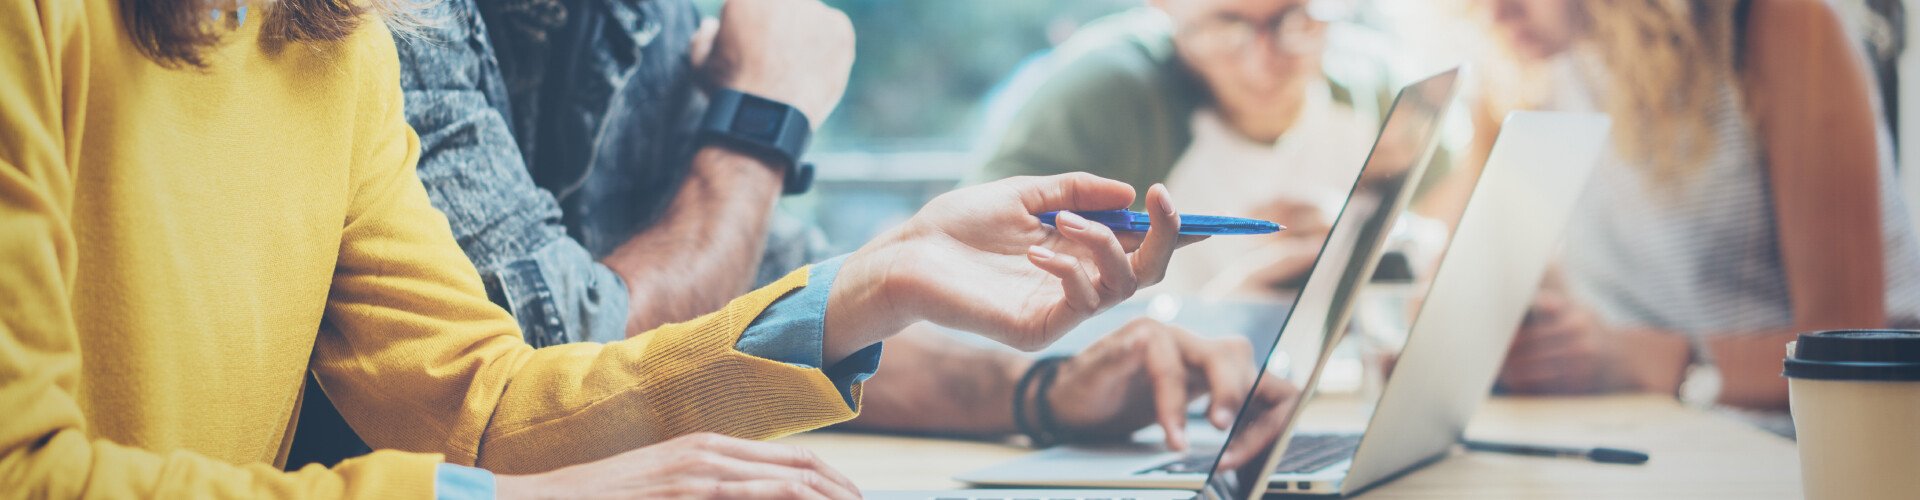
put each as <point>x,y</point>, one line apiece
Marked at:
<point>1070,191</point>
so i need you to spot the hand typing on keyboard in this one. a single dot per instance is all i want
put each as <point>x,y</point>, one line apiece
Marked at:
<point>1305,453</point>
<point>1147,372</point>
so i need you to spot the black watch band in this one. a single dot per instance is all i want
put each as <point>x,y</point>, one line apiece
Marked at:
<point>768,129</point>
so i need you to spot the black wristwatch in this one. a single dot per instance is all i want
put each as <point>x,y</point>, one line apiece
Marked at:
<point>765,128</point>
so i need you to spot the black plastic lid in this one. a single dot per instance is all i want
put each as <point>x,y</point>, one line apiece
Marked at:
<point>1873,355</point>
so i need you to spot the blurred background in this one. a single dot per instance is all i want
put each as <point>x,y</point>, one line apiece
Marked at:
<point>1723,164</point>
<point>926,97</point>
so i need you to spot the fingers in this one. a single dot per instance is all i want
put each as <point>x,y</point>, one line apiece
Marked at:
<point>1228,363</point>
<point>1272,408</point>
<point>1533,344</point>
<point>790,457</point>
<point>1548,307</point>
<point>1116,281</point>
<point>1169,382</point>
<point>1131,240</point>
<point>1189,239</point>
<point>1542,380</point>
<point>1081,297</point>
<point>1551,353</point>
<point>766,489</point>
<point>1559,337</point>
<point>1150,262</point>
<point>1559,373</point>
<point>731,470</point>
<point>1073,191</point>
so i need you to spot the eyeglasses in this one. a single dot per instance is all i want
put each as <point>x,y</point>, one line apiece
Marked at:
<point>1292,30</point>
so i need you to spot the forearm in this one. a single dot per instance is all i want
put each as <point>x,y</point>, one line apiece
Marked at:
<point>678,379</point>
<point>1749,364</point>
<point>1809,96</point>
<point>704,251</point>
<point>1646,360</point>
<point>931,383</point>
<point>1749,367</point>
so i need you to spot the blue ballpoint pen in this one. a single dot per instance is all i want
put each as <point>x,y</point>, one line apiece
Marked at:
<point>1208,225</point>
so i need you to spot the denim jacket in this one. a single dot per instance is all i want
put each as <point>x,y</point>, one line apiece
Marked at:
<point>552,153</point>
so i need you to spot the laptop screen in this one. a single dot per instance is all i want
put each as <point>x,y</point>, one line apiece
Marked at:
<point>1352,250</point>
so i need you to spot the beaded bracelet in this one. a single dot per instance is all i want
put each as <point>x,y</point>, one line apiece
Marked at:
<point>1038,378</point>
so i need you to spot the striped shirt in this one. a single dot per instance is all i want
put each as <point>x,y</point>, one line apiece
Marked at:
<point>1701,256</point>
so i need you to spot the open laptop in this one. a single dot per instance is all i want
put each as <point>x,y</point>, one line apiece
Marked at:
<point>1399,158</point>
<point>1476,300</point>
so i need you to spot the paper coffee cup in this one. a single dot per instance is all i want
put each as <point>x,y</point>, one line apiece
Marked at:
<point>1855,396</point>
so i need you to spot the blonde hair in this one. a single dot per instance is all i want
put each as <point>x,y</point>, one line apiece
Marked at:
<point>1662,67</point>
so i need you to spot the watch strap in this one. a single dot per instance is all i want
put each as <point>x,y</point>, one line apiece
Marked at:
<point>765,128</point>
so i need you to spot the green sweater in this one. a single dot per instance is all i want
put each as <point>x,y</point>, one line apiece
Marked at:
<point>1117,101</point>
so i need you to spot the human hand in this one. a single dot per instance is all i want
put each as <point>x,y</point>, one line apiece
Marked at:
<point>1261,422</point>
<point>798,52</point>
<point>1147,372</point>
<point>695,466</point>
<point>1560,349</point>
<point>978,259</point>
<point>1276,259</point>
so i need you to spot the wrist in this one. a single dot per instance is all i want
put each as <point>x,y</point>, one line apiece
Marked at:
<point>522,487</point>
<point>998,417</point>
<point>862,309</point>
<point>732,173</point>
<point>775,132</point>
<point>1032,400</point>
<point>1645,361</point>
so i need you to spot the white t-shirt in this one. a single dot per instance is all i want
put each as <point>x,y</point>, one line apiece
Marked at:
<point>1224,173</point>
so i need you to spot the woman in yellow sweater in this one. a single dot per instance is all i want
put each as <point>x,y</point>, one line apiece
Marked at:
<point>197,206</point>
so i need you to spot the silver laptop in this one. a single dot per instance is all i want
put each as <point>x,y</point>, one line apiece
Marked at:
<point>1477,299</point>
<point>1384,184</point>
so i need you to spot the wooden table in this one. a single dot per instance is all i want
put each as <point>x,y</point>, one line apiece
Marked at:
<point>1696,455</point>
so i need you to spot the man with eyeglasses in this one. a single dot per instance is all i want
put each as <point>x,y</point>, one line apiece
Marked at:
<point>1261,108</point>
<point>1248,107</point>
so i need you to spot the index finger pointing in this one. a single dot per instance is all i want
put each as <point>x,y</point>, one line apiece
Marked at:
<point>1228,364</point>
<point>1169,382</point>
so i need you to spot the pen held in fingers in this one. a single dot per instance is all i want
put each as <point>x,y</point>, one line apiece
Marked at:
<point>1190,225</point>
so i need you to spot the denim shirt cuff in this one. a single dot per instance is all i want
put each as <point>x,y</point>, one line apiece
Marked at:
<point>454,482</point>
<point>793,331</point>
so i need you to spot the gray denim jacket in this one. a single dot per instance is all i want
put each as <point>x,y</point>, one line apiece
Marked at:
<point>550,154</point>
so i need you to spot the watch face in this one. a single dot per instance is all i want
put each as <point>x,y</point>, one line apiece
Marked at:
<point>759,119</point>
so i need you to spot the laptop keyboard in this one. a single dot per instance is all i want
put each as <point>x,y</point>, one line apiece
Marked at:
<point>1036,498</point>
<point>1306,453</point>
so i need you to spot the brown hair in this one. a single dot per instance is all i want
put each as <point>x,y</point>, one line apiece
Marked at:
<point>1669,61</point>
<point>1662,63</point>
<point>174,33</point>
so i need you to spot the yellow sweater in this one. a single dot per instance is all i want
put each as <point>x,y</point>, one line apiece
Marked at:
<point>179,247</point>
